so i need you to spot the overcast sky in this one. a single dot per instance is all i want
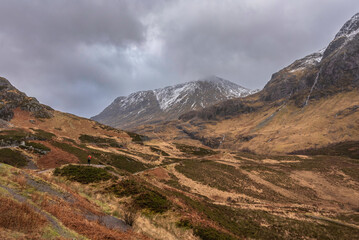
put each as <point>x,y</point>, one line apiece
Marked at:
<point>77,56</point>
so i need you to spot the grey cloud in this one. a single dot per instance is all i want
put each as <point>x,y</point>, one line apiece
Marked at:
<point>247,41</point>
<point>65,52</point>
<point>77,56</point>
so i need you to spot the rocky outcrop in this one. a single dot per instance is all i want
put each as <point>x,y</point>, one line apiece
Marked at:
<point>297,77</point>
<point>333,69</point>
<point>11,98</point>
<point>341,68</point>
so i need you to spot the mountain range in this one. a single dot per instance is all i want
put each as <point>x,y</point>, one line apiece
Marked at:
<point>281,163</point>
<point>165,104</point>
<point>313,102</point>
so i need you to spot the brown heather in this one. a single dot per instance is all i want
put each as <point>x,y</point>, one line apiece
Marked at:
<point>19,217</point>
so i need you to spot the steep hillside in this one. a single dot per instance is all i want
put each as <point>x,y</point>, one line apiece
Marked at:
<point>311,103</point>
<point>148,107</point>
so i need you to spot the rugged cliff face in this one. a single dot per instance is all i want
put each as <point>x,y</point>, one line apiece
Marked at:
<point>11,98</point>
<point>323,73</point>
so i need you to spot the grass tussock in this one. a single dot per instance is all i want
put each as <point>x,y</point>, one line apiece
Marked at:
<point>42,135</point>
<point>13,135</point>
<point>12,157</point>
<point>142,196</point>
<point>152,201</point>
<point>158,151</point>
<point>125,188</point>
<point>19,217</point>
<point>100,141</point>
<point>137,138</point>
<point>204,232</point>
<point>208,233</point>
<point>20,179</point>
<point>83,174</point>
<point>196,151</point>
<point>122,162</point>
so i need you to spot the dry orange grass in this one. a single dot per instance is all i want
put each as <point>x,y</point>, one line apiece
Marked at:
<point>75,220</point>
<point>55,158</point>
<point>19,217</point>
<point>64,125</point>
<point>291,128</point>
<point>20,179</point>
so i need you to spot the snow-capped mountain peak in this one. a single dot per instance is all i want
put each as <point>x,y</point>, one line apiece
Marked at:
<point>169,102</point>
<point>183,93</point>
<point>350,27</point>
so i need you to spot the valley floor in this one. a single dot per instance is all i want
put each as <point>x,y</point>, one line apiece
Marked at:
<point>137,188</point>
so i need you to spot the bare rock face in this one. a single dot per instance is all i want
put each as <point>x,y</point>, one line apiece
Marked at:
<point>11,98</point>
<point>298,76</point>
<point>341,68</point>
<point>333,69</point>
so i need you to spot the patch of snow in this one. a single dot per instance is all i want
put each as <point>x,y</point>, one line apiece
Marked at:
<point>349,37</point>
<point>141,111</point>
<point>296,69</point>
<point>349,27</point>
<point>310,60</point>
<point>187,94</point>
<point>193,105</point>
<point>352,35</point>
<point>171,95</point>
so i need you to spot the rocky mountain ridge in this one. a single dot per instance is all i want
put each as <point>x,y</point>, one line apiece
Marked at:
<point>168,103</point>
<point>329,70</point>
<point>11,98</point>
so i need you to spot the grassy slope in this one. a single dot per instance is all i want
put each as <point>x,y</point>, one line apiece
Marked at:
<point>291,128</point>
<point>274,215</point>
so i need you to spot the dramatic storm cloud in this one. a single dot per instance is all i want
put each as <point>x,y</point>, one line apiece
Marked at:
<point>77,56</point>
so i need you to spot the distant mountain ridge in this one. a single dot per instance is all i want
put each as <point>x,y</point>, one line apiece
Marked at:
<point>168,103</point>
